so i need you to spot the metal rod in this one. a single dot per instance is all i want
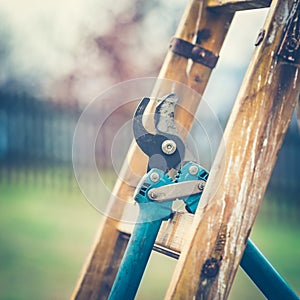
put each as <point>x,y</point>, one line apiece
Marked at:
<point>263,274</point>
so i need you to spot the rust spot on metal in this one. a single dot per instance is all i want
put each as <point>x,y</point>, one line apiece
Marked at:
<point>203,35</point>
<point>197,53</point>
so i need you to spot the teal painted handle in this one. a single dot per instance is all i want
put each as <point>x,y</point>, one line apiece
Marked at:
<point>263,274</point>
<point>135,259</point>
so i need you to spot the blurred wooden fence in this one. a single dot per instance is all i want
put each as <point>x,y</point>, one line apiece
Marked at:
<point>36,148</point>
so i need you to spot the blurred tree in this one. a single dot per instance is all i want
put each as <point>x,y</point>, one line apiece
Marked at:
<point>132,45</point>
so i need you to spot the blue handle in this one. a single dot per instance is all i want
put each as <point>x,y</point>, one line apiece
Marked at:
<point>143,237</point>
<point>135,259</point>
<point>263,274</point>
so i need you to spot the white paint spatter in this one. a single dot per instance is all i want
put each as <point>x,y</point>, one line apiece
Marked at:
<point>282,19</point>
<point>272,34</point>
<point>221,284</point>
<point>265,142</point>
<point>188,67</point>
<point>295,79</point>
<point>271,72</point>
<point>285,14</point>
<point>236,219</point>
<point>259,81</point>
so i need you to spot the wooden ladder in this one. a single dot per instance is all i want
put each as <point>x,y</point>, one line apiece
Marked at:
<point>253,137</point>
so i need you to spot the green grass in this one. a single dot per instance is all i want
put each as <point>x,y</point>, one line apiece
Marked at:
<point>44,239</point>
<point>280,243</point>
<point>46,234</point>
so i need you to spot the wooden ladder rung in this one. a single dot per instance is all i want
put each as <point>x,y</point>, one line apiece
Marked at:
<point>172,234</point>
<point>236,5</point>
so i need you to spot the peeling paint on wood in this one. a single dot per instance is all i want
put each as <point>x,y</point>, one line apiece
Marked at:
<point>253,137</point>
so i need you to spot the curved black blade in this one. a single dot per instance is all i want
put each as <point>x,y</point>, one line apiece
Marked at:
<point>151,144</point>
<point>142,136</point>
<point>138,127</point>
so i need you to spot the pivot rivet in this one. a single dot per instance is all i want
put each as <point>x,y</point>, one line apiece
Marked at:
<point>193,170</point>
<point>154,177</point>
<point>168,147</point>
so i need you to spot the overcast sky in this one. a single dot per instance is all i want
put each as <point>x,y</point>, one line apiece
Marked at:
<point>44,37</point>
<point>44,40</point>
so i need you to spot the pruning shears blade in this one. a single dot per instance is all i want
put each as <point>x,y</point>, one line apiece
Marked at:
<point>164,121</point>
<point>165,148</point>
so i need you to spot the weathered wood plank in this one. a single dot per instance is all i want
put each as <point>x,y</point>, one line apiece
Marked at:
<point>231,200</point>
<point>172,234</point>
<point>298,113</point>
<point>236,5</point>
<point>209,29</point>
<point>101,267</point>
<point>101,261</point>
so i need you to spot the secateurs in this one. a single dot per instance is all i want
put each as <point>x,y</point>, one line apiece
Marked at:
<point>157,191</point>
<point>155,195</point>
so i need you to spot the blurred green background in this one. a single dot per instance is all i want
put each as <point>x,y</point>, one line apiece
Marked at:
<point>46,235</point>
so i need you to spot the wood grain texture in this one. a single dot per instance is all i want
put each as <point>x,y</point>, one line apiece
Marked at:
<point>231,199</point>
<point>100,261</point>
<point>172,234</point>
<point>236,5</point>
<point>298,113</point>
<point>102,264</point>
<point>207,29</point>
